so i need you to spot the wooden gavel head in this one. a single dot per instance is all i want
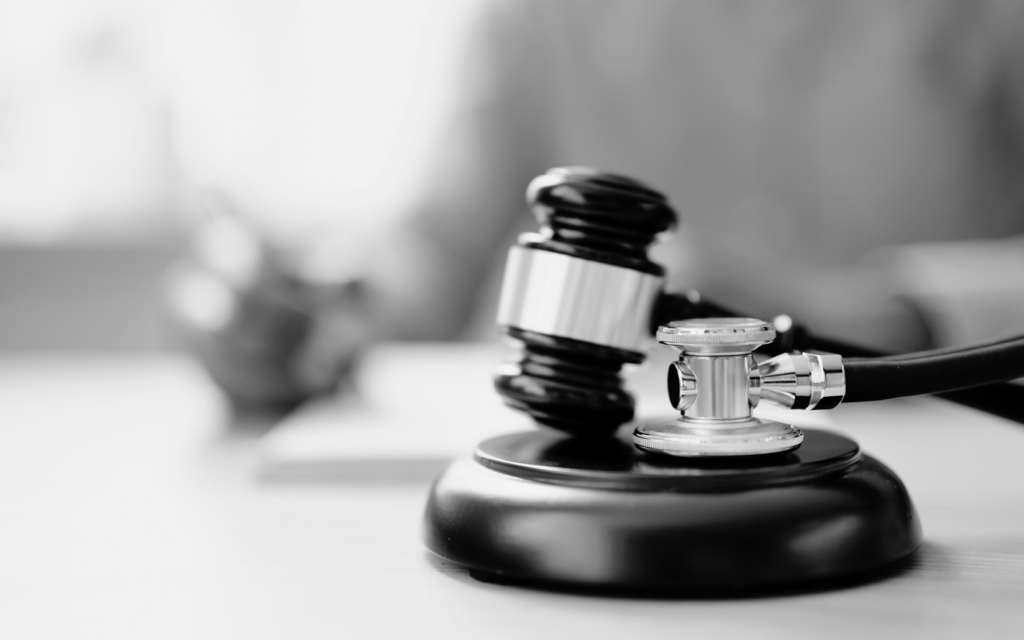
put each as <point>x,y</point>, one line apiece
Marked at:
<point>578,297</point>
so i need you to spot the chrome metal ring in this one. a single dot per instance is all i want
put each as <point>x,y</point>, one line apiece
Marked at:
<point>560,295</point>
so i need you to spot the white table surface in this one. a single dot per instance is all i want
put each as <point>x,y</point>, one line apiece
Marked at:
<point>130,507</point>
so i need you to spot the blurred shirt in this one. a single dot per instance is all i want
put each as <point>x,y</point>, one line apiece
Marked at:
<point>806,145</point>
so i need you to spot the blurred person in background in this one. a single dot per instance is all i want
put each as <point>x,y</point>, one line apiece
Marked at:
<point>858,165</point>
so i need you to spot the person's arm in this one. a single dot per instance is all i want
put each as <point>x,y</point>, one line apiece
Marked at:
<point>968,291</point>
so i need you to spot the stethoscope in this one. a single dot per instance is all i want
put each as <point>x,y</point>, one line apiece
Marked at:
<point>582,299</point>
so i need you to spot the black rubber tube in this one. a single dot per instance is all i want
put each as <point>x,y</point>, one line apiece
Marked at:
<point>941,372</point>
<point>1003,399</point>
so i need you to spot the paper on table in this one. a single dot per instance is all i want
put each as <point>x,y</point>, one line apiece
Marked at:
<point>418,406</point>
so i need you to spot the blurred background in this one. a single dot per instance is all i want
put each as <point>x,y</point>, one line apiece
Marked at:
<point>119,118</point>
<point>275,184</point>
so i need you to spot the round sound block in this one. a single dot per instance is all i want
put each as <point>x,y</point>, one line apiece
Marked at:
<point>546,507</point>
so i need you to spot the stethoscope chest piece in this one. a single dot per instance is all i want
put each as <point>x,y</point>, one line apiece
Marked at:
<point>715,385</point>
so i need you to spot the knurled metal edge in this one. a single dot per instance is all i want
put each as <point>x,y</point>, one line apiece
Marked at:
<point>696,336</point>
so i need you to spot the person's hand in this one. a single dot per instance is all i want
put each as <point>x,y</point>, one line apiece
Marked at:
<point>268,338</point>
